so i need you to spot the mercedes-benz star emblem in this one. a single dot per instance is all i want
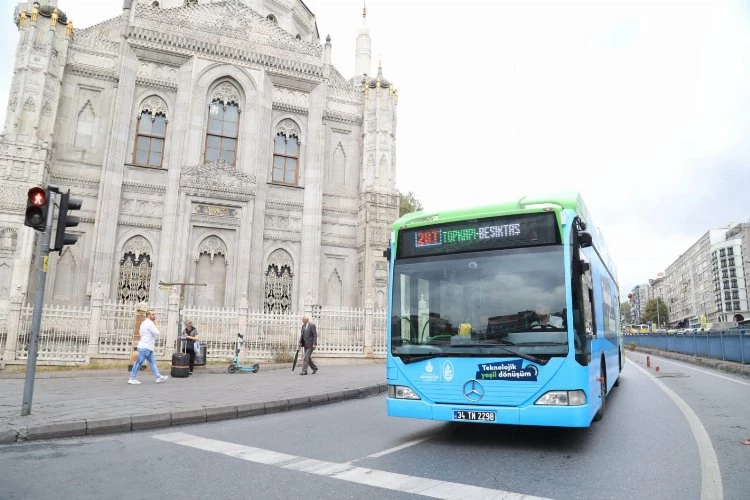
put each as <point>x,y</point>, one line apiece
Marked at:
<point>473,390</point>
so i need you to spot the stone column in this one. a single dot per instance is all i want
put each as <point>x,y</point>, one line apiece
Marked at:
<point>97,299</point>
<point>14,316</point>
<point>171,329</point>
<point>307,306</point>
<point>244,305</point>
<point>367,351</point>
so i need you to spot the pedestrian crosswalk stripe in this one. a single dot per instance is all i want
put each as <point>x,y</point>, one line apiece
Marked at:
<point>433,488</point>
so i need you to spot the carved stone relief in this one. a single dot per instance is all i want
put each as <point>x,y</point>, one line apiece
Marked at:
<point>289,128</point>
<point>160,72</point>
<point>219,180</point>
<point>283,222</point>
<point>226,93</point>
<point>137,245</point>
<point>154,105</point>
<point>212,246</point>
<point>8,240</point>
<point>291,98</point>
<point>142,207</point>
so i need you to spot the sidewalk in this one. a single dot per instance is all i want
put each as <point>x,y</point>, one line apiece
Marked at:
<point>87,402</point>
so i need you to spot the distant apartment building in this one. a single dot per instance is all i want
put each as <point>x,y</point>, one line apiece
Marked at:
<point>710,279</point>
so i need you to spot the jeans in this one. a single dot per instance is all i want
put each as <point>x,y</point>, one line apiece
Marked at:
<point>148,355</point>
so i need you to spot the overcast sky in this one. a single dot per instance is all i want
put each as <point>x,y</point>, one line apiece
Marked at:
<point>643,107</point>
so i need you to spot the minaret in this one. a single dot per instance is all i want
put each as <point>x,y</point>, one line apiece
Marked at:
<point>362,62</point>
<point>26,146</point>
<point>378,205</point>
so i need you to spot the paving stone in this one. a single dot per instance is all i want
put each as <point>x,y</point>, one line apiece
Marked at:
<point>221,413</point>
<point>8,436</point>
<point>251,409</point>
<point>343,395</point>
<point>301,402</point>
<point>58,430</point>
<point>318,399</point>
<point>109,425</point>
<point>151,421</point>
<point>277,406</point>
<point>188,416</point>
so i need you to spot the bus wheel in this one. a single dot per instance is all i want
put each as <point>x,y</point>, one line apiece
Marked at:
<point>603,391</point>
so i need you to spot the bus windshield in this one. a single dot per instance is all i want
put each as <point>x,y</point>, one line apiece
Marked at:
<point>497,303</point>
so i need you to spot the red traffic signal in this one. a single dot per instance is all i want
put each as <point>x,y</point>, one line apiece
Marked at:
<point>37,196</point>
<point>36,208</point>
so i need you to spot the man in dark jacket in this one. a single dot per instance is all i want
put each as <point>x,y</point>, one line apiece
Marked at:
<point>308,339</point>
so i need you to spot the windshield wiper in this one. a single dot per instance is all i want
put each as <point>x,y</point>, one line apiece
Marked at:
<point>413,358</point>
<point>541,343</point>
<point>527,357</point>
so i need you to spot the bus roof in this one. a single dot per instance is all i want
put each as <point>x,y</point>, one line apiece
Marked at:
<point>567,200</point>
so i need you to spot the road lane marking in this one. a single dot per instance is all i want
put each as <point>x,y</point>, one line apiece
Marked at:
<point>711,486</point>
<point>433,488</point>
<point>685,365</point>
<point>396,448</point>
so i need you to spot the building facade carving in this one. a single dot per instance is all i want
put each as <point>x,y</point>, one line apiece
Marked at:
<point>263,195</point>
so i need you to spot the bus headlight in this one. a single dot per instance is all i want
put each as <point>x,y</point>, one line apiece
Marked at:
<point>562,398</point>
<point>401,392</point>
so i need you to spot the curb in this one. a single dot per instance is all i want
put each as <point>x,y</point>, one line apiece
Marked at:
<point>91,427</point>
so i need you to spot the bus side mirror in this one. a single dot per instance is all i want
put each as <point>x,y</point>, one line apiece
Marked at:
<point>584,239</point>
<point>387,253</point>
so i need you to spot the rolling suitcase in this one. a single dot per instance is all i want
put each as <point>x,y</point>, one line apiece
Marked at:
<point>180,363</point>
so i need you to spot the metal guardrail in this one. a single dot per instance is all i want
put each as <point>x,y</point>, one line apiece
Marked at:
<point>727,345</point>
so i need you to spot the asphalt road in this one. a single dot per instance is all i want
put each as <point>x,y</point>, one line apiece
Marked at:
<point>646,447</point>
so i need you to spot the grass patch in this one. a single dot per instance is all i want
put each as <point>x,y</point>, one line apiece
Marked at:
<point>282,355</point>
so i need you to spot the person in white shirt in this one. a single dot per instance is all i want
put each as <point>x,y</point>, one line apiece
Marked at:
<point>544,319</point>
<point>147,344</point>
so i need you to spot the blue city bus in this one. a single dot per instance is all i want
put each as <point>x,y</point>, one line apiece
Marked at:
<point>504,314</point>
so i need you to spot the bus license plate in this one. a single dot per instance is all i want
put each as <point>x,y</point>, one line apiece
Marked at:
<point>477,416</point>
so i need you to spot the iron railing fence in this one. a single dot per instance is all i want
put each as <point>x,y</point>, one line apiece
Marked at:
<point>727,345</point>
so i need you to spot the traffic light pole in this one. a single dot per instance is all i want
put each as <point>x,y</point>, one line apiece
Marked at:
<point>36,319</point>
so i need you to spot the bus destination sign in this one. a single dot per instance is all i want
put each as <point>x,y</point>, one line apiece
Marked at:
<point>481,234</point>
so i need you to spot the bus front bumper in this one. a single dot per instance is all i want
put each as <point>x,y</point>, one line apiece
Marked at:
<point>558,416</point>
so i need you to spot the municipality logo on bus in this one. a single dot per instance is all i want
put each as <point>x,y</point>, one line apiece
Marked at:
<point>507,370</point>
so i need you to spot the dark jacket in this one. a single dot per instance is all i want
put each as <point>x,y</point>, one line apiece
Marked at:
<point>309,335</point>
<point>189,344</point>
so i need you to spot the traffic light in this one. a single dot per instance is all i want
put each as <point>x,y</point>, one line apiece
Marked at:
<point>65,221</point>
<point>36,208</point>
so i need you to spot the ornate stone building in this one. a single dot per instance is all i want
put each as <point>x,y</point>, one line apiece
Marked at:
<point>212,142</point>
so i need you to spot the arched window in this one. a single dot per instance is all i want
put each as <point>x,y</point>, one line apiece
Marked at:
<point>150,134</point>
<point>278,283</point>
<point>223,124</point>
<point>286,153</point>
<point>134,282</point>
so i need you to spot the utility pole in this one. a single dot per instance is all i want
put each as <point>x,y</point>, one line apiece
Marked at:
<point>658,320</point>
<point>36,319</point>
<point>165,286</point>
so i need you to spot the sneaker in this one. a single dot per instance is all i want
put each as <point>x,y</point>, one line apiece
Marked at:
<point>133,381</point>
<point>161,379</point>
<point>315,370</point>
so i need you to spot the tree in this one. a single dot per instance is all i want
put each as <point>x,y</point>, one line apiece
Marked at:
<point>408,203</point>
<point>657,316</point>
<point>625,315</point>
